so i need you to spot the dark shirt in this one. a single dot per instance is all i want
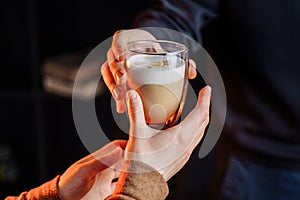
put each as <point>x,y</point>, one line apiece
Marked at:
<point>256,46</point>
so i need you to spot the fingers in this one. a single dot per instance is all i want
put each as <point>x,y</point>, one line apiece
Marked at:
<point>120,143</point>
<point>186,135</point>
<point>115,78</point>
<point>116,66</point>
<point>200,114</point>
<point>198,119</point>
<point>113,71</point>
<point>204,102</point>
<point>192,72</point>
<point>117,44</point>
<point>120,106</point>
<point>135,109</point>
<point>108,77</point>
<point>116,144</point>
<point>195,123</point>
<point>98,164</point>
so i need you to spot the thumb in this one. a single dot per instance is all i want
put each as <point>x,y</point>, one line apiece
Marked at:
<point>135,110</point>
<point>98,164</point>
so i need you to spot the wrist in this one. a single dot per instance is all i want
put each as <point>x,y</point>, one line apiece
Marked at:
<point>58,189</point>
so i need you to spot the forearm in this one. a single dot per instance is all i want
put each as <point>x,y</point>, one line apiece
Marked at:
<point>47,191</point>
<point>139,181</point>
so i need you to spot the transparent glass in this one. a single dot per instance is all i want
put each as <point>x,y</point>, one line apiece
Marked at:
<point>157,70</point>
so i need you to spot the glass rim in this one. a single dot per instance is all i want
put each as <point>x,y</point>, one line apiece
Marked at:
<point>181,47</point>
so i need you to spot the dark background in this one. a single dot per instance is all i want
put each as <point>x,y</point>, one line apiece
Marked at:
<point>38,139</point>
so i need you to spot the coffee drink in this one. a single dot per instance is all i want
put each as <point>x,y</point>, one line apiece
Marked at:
<point>159,80</point>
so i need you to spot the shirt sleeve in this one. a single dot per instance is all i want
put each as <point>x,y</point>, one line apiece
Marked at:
<point>139,181</point>
<point>185,16</point>
<point>47,191</point>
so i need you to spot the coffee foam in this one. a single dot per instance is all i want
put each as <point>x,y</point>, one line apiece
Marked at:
<point>155,69</point>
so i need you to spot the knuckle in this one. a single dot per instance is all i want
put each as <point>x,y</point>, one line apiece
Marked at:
<point>204,119</point>
<point>110,56</point>
<point>118,32</point>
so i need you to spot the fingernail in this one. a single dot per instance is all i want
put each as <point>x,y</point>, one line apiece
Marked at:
<point>209,89</point>
<point>132,94</point>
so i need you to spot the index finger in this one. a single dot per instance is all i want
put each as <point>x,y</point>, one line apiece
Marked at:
<point>116,144</point>
<point>198,118</point>
<point>118,46</point>
<point>108,77</point>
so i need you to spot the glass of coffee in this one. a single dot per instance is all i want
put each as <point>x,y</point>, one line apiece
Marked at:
<point>157,70</point>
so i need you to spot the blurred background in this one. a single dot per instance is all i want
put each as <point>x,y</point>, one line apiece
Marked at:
<point>42,43</point>
<point>37,135</point>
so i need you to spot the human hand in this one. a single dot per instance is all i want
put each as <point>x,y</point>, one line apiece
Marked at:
<point>113,71</point>
<point>80,177</point>
<point>168,150</point>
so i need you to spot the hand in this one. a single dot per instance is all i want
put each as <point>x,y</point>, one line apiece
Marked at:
<point>113,71</point>
<point>168,150</point>
<point>79,178</point>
